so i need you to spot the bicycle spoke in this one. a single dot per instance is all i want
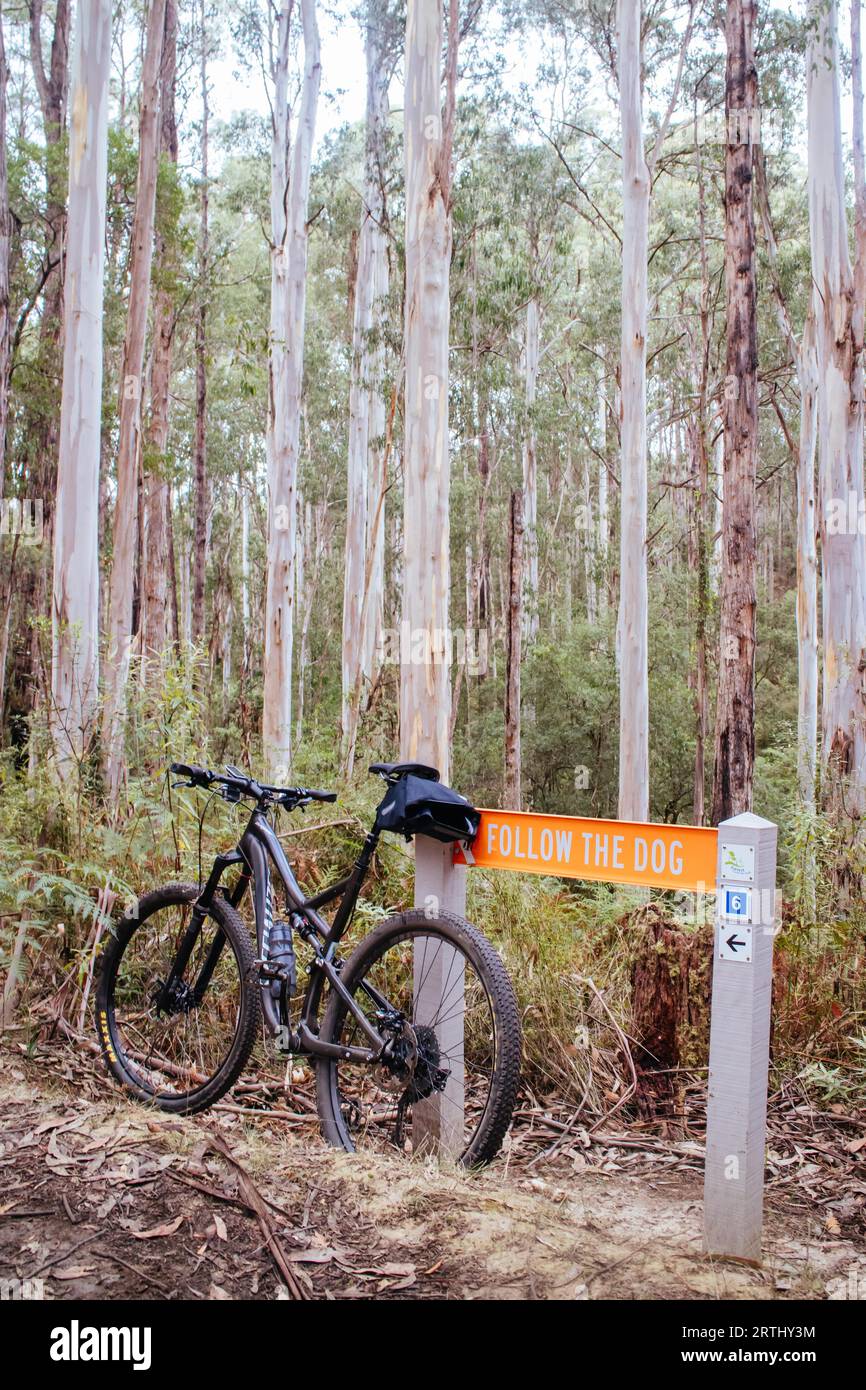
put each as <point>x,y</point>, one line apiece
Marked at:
<point>378,1107</point>
<point>174,1051</point>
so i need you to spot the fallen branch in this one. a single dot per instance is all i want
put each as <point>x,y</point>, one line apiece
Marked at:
<point>255,1201</point>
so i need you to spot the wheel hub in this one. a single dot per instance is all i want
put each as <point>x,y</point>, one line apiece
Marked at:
<point>410,1064</point>
<point>177,999</point>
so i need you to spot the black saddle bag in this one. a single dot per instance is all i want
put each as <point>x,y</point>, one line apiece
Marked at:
<point>417,806</point>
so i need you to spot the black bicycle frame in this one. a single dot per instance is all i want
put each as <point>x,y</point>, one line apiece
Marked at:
<point>257,849</point>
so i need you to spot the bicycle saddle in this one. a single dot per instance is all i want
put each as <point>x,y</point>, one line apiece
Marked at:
<point>392,772</point>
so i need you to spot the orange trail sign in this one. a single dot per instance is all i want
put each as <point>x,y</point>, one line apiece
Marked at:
<point>606,851</point>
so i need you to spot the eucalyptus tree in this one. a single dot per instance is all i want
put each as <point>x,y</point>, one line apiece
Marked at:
<point>364,577</point>
<point>200,481</point>
<point>75,607</point>
<point>632,630</point>
<point>5,248</point>
<point>425,688</point>
<point>735,708</point>
<point>158,582</point>
<point>130,410</point>
<point>290,186</point>
<point>839,334</point>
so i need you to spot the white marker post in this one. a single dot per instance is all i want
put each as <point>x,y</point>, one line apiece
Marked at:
<point>440,886</point>
<point>740,1037</point>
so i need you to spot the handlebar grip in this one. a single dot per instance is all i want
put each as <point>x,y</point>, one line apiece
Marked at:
<point>320,796</point>
<point>200,775</point>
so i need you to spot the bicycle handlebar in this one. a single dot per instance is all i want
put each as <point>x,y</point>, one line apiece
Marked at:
<point>247,786</point>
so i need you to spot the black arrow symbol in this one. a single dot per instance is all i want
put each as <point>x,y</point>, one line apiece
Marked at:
<point>734,941</point>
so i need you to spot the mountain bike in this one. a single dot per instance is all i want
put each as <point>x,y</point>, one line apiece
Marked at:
<point>419,1020</point>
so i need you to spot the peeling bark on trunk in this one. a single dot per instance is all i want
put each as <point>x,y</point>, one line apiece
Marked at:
<point>245,574</point>
<point>735,709</point>
<point>200,535</point>
<point>425,685</point>
<point>529,452</point>
<point>603,515</point>
<point>157,580</point>
<point>586,540</point>
<point>512,655</point>
<point>129,430</point>
<point>43,426</point>
<point>807,570</point>
<point>5,249</point>
<point>632,625</point>
<point>840,428</point>
<point>365,518</point>
<point>75,607</point>
<point>6,573</point>
<point>52,85</point>
<point>290,185</point>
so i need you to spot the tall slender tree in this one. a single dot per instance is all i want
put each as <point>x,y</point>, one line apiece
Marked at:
<point>632,626</point>
<point>129,431</point>
<point>530,358</point>
<point>5,248</point>
<point>52,85</point>
<point>75,608</point>
<point>157,622</point>
<point>513,637</point>
<point>290,187</point>
<point>840,423</point>
<point>425,688</point>
<point>363,610</point>
<point>200,483</point>
<point>804,356</point>
<point>7,570</point>
<point>735,708</point>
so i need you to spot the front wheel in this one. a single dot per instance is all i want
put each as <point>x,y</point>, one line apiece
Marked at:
<point>183,1052</point>
<point>439,992</point>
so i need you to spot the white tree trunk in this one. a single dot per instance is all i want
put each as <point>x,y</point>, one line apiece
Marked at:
<point>807,569</point>
<point>632,625</point>
<point>129,432</point>
<point>531,353</point>
<point>75,606</point>
<point>425,684</point>
<point>290,187</point>
<point>157,599</point>
<point>425,689</point>
<point>840,424</point>
<point>365,517</point>
<point>718,509</point>
<point>245,575</point>
<point>7,573</point>
<point>5,248</point>
<point>603,518</point>
<point>587,541</point>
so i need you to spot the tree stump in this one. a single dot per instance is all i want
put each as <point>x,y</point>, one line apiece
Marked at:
<point>670,997</point>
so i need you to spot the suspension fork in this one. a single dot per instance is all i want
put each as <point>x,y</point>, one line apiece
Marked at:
<point>200,909</point>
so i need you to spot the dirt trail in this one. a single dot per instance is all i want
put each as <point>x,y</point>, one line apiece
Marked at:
<point>103,1199</point>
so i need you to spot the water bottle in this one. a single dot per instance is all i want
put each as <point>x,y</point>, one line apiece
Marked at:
<point>281,956</point>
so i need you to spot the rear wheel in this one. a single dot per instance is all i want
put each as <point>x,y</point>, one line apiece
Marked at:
<point>440,993</point>
<point>183,1054</point>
